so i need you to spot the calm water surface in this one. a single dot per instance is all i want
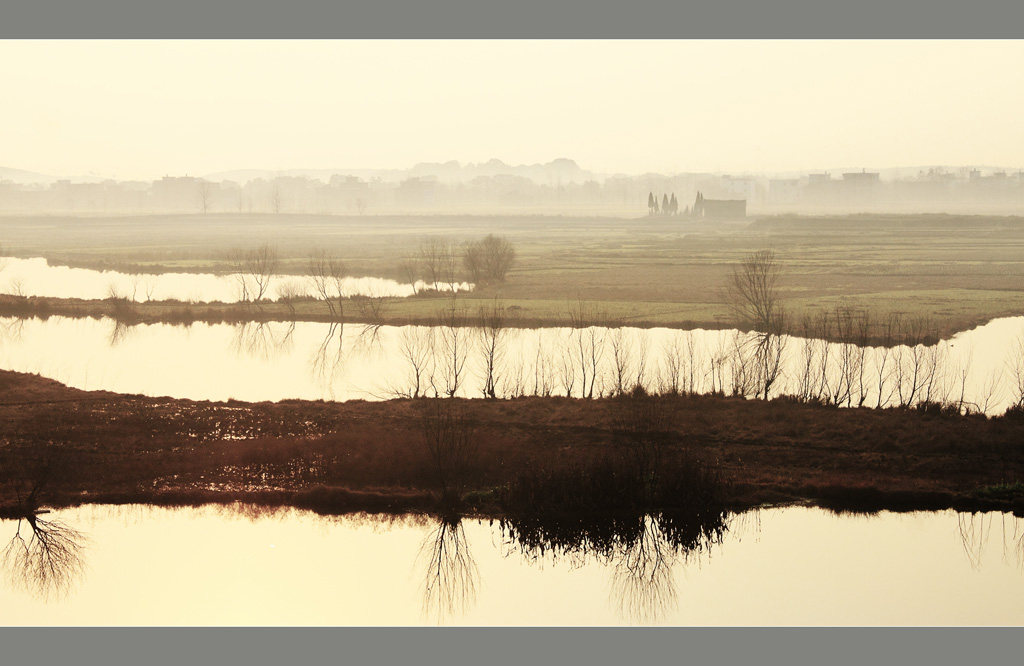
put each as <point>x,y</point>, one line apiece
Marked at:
<point>304,360</point>
<point>790,566</point>
<point>36,277</point>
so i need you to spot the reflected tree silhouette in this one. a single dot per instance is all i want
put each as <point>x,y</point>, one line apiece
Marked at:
<point>975,530</point>
<point>49,561</point>
<point>368,339</point>
<point>13,330</point>
<point>450,583</point>
<point>328,359</point>
<point>259,339</point>
<point>642,549</point>
<point>643,586</point>
<point>121,331</point>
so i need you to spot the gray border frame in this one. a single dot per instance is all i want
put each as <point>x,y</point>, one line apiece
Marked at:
<point>483,19</point>
<point>499,646</point>
<point>403,19</point>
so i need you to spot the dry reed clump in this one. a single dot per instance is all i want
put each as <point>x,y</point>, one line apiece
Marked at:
<point>605,485</point>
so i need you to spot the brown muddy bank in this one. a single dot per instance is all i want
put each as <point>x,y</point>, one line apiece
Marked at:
<point>72,446</point>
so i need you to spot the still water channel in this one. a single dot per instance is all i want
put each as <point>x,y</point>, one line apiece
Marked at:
<point>277,360</point>
<point>139,565</point>
<point>36,277</point>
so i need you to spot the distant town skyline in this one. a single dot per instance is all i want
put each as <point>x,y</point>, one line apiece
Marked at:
<point>144,109</point>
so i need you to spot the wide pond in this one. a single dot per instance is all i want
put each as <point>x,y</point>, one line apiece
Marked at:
<point>36,277</point>
<point>135,565</point>
<point>274,361</point>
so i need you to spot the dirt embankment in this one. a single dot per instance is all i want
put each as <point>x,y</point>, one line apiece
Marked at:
<point>83,446</point>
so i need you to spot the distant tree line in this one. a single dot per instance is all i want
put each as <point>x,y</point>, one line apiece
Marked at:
<point>668,206</point>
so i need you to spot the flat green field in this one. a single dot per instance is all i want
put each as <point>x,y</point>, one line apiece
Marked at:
<point>959,271</point>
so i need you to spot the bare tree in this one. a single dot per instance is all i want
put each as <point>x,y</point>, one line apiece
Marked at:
<point>328,274</point>
<point>622,353</point>
<point>453,348</point>
<point>17,287</point>
<point>891,331</point>
<point>408,270</point>
<point>253,270</point>
<point>1015,364</point>
<point>630,365</point>
<point>742,366</point>
<point>543,372</point>
<point>910,366</point>
<point>587,342</point>
<point>373,308</point>
<point>489,260</point>
<point>671,376</point>
<point>751,292</point>
<point>807,379</point>
<point>439,260</point>
<point>275,198</point>
<point>204,195</point>
<point>752,295</point>
<point>416,345</point>
<point>493,332</point>
<point>991,391</point>
<point>290,291</point>
<point>149,285</point>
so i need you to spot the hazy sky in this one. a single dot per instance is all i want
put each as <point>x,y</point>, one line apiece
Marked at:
<point>143,109</point>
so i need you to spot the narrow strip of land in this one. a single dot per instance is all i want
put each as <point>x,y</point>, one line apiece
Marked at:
<point>337,457</point>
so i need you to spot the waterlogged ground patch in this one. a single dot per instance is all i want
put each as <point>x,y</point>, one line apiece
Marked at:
<point>71,449</point>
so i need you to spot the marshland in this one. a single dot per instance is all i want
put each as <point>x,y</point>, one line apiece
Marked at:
<point>778,362</point>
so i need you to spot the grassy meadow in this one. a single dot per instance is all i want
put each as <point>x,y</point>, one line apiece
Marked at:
<point>956,271</point>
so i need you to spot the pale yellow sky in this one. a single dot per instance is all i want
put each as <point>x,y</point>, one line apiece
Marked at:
<point>143,109</point>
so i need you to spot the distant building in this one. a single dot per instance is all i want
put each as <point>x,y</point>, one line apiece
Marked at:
<point>784,190</point>
<point>720,209</point>
<point>739,187</point>
<point>862,178</point>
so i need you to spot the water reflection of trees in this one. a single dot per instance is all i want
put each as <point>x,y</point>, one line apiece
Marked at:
<point>13,330</point>
<point>49,560</point>
<point>260,340</point>
<point>328,359</point>
<point>368,340</point>
<point>642,550</point>
<point>975,532</point>
<point>451,574</point>
<point>121,331</point>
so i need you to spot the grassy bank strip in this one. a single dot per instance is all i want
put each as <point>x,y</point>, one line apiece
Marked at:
<point>528,456</point>
<point>959,312</point>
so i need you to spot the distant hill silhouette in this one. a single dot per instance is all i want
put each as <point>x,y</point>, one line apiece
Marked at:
<point>561,170</point>
<point>22,177</point>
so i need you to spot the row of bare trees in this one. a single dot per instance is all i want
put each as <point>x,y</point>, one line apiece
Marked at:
<point>437,355</point>
<point>586,360</point>
<point>486,261</point>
